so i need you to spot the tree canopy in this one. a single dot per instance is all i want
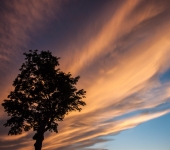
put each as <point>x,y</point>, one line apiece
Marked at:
<point>42,96</point>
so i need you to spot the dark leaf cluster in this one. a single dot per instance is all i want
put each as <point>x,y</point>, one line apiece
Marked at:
<point>42,95</point>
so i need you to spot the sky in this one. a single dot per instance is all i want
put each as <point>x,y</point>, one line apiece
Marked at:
<point>120,49</point>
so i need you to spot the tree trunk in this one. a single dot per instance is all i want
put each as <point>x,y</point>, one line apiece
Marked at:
<point>39,137</point>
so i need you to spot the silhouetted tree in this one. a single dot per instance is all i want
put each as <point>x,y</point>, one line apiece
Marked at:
<point>42,96</point>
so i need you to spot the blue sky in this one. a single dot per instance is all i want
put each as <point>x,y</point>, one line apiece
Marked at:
<point>121,51</point>
<point>165,77</point>
<point>153,134</point>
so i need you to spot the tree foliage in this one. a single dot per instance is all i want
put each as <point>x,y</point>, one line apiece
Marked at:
<point>42,96</point>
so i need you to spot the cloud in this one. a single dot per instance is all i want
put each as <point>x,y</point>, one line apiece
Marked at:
<point>20,21</point>
<point>81,145</point>
<point>123,31</point>
<point>119,64</point>
<point>120,67</point>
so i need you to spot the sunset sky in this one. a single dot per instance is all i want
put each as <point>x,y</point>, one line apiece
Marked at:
<point>120,49</point>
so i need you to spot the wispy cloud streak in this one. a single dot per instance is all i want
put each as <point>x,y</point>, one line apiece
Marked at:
<point>20,21</point>
<point>120,65</point>
<point>123,63</point>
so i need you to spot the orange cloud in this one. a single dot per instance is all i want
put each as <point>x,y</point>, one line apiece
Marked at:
<point>119,66</point>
